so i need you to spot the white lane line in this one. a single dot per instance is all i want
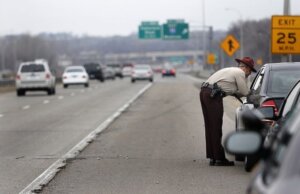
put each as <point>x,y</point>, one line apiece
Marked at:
<point>72,94</point>
<point>82,91</point>
<point>42,180</point>
<point>26,107</point>
<point>60,97</point>
<point>1,115</point>
<point>46,102</point>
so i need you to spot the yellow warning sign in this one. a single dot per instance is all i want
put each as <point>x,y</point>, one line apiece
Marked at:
<point>230,45</point>
<point>211,58</point>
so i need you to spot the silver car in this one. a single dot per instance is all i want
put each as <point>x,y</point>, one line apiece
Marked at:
<point>34,76</point>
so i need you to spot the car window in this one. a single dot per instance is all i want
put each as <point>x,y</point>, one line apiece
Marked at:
<point>74,70</point>
<point>281,82</point>
<point>291,100</point>
<point>32,68</point>
<point>256,86</point>
<point>142,68</point>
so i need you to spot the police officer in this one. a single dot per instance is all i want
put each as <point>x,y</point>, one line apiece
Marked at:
<point>227,81</point>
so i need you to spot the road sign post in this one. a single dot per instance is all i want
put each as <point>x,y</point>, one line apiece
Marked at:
<point>285,35</point>
<point>230,45</point>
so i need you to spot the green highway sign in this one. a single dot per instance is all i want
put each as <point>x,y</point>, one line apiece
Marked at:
<point>175,30</point>
<point>150,30</point>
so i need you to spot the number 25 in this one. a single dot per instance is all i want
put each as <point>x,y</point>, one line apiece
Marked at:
<point>291,38</point>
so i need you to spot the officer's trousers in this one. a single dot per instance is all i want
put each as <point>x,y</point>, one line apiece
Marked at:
<point>213,110</point>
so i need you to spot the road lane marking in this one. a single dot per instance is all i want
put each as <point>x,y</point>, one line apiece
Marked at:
<point>60,97</point>
<point>82,91</point>
<point>72,94</point>
<point>26,107</point>
<point>46,101</point>
<point>1,115</point>
<point>42,180</point>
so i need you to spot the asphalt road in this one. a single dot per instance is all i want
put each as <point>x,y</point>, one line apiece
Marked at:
<point>156,146</point>
<point>37,129</point>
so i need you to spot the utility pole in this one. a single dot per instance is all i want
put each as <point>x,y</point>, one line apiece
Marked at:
<point>286,11</point>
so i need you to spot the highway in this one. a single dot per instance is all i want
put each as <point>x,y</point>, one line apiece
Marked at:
<point>37,129</point>
<point>156,146</point>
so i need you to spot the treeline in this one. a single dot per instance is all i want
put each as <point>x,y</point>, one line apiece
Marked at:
<point>17,48</point>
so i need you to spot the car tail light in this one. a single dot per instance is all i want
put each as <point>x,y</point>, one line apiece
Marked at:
<point>172,71</point>
<point>18,77</point>
<point>271,103</point>
<point>163,71</point>
<point>47,76</point>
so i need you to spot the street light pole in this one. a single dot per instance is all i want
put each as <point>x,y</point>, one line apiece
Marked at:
<point>241,30</point>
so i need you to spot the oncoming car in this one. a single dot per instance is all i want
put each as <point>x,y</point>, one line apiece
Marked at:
<point>35,76</point>
<point>75,75</point>
<point>142,72</point>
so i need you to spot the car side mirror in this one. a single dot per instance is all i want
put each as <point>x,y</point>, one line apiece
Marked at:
<point>243,142</point>
<point>267,112</point>
<point>252,119</point>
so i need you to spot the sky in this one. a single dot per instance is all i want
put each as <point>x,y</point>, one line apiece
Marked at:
<point>122,17</point>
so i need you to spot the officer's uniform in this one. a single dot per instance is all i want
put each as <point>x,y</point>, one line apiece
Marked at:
<point>229,81</point>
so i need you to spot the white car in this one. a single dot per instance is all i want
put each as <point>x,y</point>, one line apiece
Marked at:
<point>34,76</point>
<point>75,75</point>
<point>142,72</point>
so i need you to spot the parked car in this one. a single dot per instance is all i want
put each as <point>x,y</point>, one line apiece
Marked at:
<point>268,89</point>
<point>168,70</point>
<point>279,169</point>
<point>35,76</point>
<point>142,72</point>
<point>278,120</point>
<point>95,71</point>
<point>117,68</point>
<point>270,86</point>
<point>75,75</point>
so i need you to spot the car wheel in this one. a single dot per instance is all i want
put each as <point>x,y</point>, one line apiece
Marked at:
<point>65,85</point>
<point>20,92</point>
<point>86,85</point>
<point>151,80</point>
<point>53,91</point>
<point>132,80</point>
<point>49,91</point>
<point>250,162</point>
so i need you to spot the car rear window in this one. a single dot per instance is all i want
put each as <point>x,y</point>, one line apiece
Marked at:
<point>142,67</point>
<point>74,70</point>
<point>32,68</point>
<point>281,82</point>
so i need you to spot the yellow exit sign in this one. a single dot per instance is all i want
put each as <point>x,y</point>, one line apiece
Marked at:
<point>285,34</point>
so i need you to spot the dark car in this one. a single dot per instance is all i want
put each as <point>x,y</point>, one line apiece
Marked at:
<point>270,86</point>
<point>95,71</point>
<point>279,170</point>
<point>268,89</point>
<point>277,119</point>
<point>168,70</point>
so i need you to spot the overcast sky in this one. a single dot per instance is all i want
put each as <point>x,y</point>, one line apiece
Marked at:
<point>122,17</point>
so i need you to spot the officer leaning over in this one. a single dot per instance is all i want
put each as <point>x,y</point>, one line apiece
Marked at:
<point>227,81</point>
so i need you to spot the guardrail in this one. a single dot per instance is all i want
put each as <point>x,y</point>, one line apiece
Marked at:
<point>5,83</point>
